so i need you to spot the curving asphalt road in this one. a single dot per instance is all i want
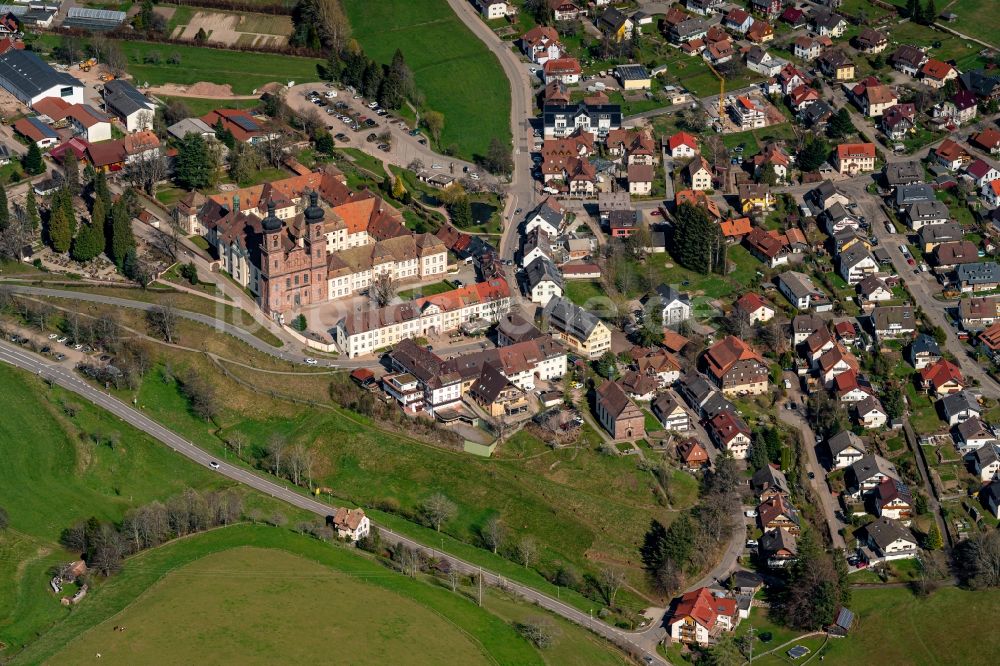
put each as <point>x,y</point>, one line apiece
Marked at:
<point>68,380</point>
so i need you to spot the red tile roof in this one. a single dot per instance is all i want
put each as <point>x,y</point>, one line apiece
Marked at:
<point>940,373</point>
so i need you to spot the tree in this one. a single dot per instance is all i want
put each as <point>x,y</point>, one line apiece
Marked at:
<point>300,323</point>
<point>460,211</point>
<point>162,322</point>
<point>398,189</point>
<point>383,289</point>
<point>978,560</point>
<point>4,519</point>
<point>611,581</point>
<point>933,540</point>
<point>101,190</point>
<point>929,15</point>
<point>145,173</point>
<point>813,593</point>
<point>89,242</point>
<point>438,509</point>
<point>892,399</point>
<point>432,120</point>
<point>189,272</point>
<point>494,533</point>
<point>175,111</point>
<point>527,551</point>
<point>32,161</point>
<point>31,209</point>
<point>539,631</point>
<point>814,153</point>
<point>4,209</point>
<point>840,124</point>
<point>499,158</point>
<point>913,9</point>
<point>696,240</point>
<point>324,143</point>
<point>121,239</point>
<point>244,163</point>
<point>59,232</point>
<point>195,166</point>
<point>71,172</point>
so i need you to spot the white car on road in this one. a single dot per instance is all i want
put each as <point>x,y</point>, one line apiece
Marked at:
<point>213,465</point>
<point>311,361</point>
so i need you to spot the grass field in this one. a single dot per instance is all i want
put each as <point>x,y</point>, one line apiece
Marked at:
<point>581,291</point>
<point>244,71</point>
<point>977,18</point>
<point>453,69</point>
<point>283,586</point>
<point>962,51</point>
<point>55,474</point>
<point>256,605</point>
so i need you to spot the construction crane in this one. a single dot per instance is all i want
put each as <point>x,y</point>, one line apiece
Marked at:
<point>722,92</point>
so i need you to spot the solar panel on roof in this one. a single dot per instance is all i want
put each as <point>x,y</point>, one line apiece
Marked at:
<point>96,14</point>
<point>245,123</point>
<point>798,652</point>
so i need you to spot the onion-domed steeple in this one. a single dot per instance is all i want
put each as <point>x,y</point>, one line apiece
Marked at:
<point>271,223</point>
<point>314,214</point>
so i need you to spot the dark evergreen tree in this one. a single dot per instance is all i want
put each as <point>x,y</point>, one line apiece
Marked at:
<point>4,209</point>
<point>814,153</point>
<point>460,211</point>
<point>32,161</point>
<point>695,239</point>
<point>31,208</point>
<point>59,234</point>
<point>194,167</point>
<point>71,172</point>
<point>121,239</point>
<point>89,242</point>
<point>371,80</point>
<point>840,124</point>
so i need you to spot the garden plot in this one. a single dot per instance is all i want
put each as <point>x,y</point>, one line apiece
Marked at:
<point>236,29</point>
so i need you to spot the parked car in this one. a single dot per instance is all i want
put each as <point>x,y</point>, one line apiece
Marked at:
<point>750,513</point>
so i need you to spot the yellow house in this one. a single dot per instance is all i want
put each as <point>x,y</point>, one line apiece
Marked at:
<point>615,24</point>
<point>580,330</point>
<point>755,197</point>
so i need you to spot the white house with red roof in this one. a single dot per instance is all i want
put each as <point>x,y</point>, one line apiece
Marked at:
<point>755,308</point>
<point>747,114</point>
<point>982,172</point>
<point>991,192</point>
<point>541,44</point>
<point>682,144</point>
<point>566,70</point>
<point>942,378</point>
<point>351,524</point>
<point>699,616</point>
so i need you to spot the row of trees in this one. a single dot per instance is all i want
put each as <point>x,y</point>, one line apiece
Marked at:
<point>103,545</point>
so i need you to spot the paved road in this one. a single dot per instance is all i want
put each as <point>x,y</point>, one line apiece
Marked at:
<point>521,191</point>
<point>65,378</point>
<point>793,417</point>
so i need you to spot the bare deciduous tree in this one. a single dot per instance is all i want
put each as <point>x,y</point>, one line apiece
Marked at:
<point>494,533</point>
<point>383,289</point>
<point>145,173</point>
<point>527,551</point>
<point>438,509</point>
<point>275,451</point>
<point>611,581</point>
<point>162,321</point>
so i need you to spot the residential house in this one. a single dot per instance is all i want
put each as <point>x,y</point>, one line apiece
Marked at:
<point>497,395</point>
<point>972,434</point>
<point>802,293</point>
<point>682,144</point>
<point>844,449</point>
<point>825,195</point>
<point>564,10</point>
<point>908,59</point>
<point>982,173</point>
<point>769,481</point>
<point>36,131</point>
<point>985,86</point>
<point>536,246</point>
<point>876,98</point>
<point>755,197</point>
<point>547,216</point>
<point>857,263</point>
<point>935,73</point>
<point>942,377</point>
<point>951,155</point>
<point>769,8</point>
<point>559,120</point>
<point>754,308</point>
<point>747,114</point>
<point>760,32</point>
<point>615,24</point>
<point>623,223</point>
<point>923,213</point>
<point>638,386</point>
<point>815,115</point>
<point>966,107</point>
<point>804,326</point>
<point>495,9</point>
<point>692,454</point>
<point>582,331</point>
<point>513,328</point>
<point>990,497</point>
<point>873,289</point>
<point>719,52</point>
<point>699,174</point>
<point>790,78</point>
<point>888,540</point>
<point>864,475</point>
<point>986,463</point>
<point>982,276</point>
<point>701,7</point>
<point>855,158</point>
<point>977,313</point>
<point>818,343</point>
<point>541,44</point>
<point>699,616</point>
<point>870,414</point>
<point>890,322</point>
<point>923,351</point>
<point>687,31</point>
<point>850,387</point>
<point>990,192</point>
<point>958,407</point>
<point>950,255</point>
<point>640,179</point>
<point>870,41</point>
<point>772,155</point>
<point>131,106</point>
<point>777,512</point>
<point>736,368</point>
<point>989,340</point>
<point>760,61</point>
<point>898,121</point>
<point>618,414</point>
<point>738,21</point>
<point>841,224</point>
<point>543,280</point>
<point>350,524</point>
<point>930,236</point>
<point>794,17</point>
<point>669,411</point>
<point>244,127</point>
<point>987,140</point>
<point>564,70</point>
<point>836,64</point>
<point>778,548</point>
<point>676,306</point>
<point>908,172</point>
<point>632,146</point>
<point>829,25</point>
<point>834,362</point>
<point>730,433</point>
<point>735,230</point>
